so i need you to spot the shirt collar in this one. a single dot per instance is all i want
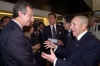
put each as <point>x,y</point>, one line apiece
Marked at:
<point>17,23</point>
<point>69,30</point>
<point>53,25</point>
<point>79,37</point>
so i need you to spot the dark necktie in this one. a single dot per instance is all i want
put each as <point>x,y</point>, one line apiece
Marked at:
<point>67,34</point>
<point>74,45</point>
<point>54,33</point>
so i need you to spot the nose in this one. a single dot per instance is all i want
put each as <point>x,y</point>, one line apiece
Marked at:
<point>32,18</point>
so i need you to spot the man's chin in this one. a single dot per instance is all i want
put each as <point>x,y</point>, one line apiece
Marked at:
<point>73,34</point>
<point>28,24</point>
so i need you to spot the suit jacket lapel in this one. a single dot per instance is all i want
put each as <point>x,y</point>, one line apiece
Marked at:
<point>57,30</point>
<point>79,43</point>
<point>82,40</point>
<point>49,31</point>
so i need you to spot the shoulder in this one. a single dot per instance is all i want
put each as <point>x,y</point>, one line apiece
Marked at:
<point>46,27</point>
<point>91,39</point>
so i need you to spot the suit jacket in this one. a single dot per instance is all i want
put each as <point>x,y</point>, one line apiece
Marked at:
<point>47,33</point>
<point>0,30</point>
<point>40,36</point>
<point>69,40</point>
<point>85,53</point>
<point>34,39</point>
<point>15,48</point>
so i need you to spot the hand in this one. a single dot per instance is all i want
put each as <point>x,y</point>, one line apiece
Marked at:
<point>37,46</point>
<point>50,57</point>
<point>59,42</point>
<point>35,50</point>
<point>49,44</point>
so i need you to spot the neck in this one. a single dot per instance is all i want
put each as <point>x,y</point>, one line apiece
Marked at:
<point>19,21</point>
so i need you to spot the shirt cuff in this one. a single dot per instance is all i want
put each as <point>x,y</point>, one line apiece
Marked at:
<point>54,62</point>
<point>55,48</point>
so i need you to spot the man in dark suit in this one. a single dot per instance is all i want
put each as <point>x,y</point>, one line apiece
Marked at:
<point>84,52</point>
<point>69,38</point>
<point>48,30</point>
<point>15,49</point>
<point>41,26</point>
<point>53,31</point>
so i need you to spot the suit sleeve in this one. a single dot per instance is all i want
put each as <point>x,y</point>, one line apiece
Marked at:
<point>20,50</point>
<point>88,56</point>
<point>62,51</point>
<point>44,38</point>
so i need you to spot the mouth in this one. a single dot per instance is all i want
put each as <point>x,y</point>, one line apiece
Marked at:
<point>73,31</point>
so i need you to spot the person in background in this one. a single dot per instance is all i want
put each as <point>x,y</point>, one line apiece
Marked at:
<point>69,38</point>
<point>36,27</point>
<point>41,26</point>
<point>28,31</point>
<point>93,22</point>
<point>85,50</point>
<point>5,20</point>
<point>53,31</point>
<point>15,48</point>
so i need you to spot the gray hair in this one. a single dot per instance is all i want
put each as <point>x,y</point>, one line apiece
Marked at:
<point>20,6</point>
<point>96,18</point>
<point>83,19</point>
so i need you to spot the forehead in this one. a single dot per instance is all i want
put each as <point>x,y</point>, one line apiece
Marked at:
<point>51,16</point>
<point>75,20</point>
<point>29,10</point>
<point>6,19</point>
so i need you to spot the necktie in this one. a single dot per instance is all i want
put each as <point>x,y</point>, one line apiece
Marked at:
<point>75,43</point>
<point>67,34</point>
<point>74,46</point>
<point>54,33</point>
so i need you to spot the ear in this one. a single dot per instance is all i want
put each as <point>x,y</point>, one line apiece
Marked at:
<point>20,14</point>
<point>84,25</point>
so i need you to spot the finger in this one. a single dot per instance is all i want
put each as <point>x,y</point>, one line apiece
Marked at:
<point>51,51</point>
<point>47,41</point>
<point>47,45</point>
<point>44,54</point>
